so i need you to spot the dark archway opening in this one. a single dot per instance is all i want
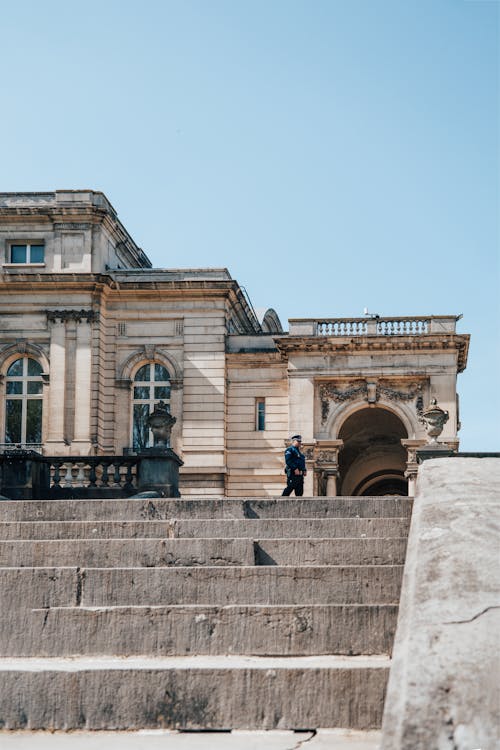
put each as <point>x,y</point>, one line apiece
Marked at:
<point>373,461</point>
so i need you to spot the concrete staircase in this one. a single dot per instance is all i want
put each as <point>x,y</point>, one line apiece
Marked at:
<point>198,613</point>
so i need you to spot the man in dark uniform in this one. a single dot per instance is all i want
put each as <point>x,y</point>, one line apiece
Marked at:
<point>295,468</point>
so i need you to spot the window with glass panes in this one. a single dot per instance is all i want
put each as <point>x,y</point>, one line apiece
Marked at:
<point>260,414</point>
<point>31,252</point>
<point>151,385</point>
<point>23,402</point>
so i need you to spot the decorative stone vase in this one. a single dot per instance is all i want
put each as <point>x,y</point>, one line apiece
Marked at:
<point>160,422</point>
<point>434,419</point>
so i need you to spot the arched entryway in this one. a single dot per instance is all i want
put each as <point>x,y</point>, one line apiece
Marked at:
<point>372,461</point>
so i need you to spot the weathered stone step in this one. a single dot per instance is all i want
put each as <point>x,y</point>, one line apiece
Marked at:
<point>366,551</point>
<point>200,692</point>
<point>127,553</point>
<point>162,508</point>
<point>255,528</point>
<point>138,553</point>
<point>356,584</point>
<point>22,588</point>
<point>183,629</point>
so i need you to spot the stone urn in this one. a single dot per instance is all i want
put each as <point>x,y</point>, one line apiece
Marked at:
<point>434,419</point>
<point>160,422</point>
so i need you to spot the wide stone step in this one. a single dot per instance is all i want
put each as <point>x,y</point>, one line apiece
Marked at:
<point>183,629</point>
<point>366,551</point>
<point>135,553</point>
<point>162,508</point>
<point>355,584</point>
<point>129,553</point>
<point>254,528</point>
<point>22,588</point>
<point>199,692</point>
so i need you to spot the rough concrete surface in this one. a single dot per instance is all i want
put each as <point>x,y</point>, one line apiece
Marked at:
<point>163,509</point>
<point>357,584</point>
<point>444,689</point>
<point>193,692</point>
<point>254,528</point>
<point>323,739</point>
<point>184,629</point>
<point>131,553</point>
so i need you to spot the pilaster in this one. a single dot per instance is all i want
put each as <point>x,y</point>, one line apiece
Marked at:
<point>56,401</point>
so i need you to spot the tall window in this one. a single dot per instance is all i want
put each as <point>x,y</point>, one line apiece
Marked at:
<point>151,385</point>
<point>260,414</point>
<point>23,403</point>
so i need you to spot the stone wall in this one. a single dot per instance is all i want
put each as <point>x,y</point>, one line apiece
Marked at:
<point>443,688</point>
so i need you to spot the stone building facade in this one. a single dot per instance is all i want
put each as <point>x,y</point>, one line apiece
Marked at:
<point>91,337</point>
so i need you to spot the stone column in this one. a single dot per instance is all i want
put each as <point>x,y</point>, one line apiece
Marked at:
<point>326,460</point>
<point>411,463</point>
<point>83,371</point>
<point>56,402</point>
<point>176,399</point>
<point>70,391</point>
<point>331,482</point>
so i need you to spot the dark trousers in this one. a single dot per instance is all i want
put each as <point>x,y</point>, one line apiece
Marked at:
<point>294,484</point>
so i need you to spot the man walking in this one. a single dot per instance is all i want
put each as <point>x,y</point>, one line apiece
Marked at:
<point>295,468</point>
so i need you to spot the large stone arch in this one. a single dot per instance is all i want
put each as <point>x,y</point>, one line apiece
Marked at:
<point>401,410</point>
<point>373,459</point>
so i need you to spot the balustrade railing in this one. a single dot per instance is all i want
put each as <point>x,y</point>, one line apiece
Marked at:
<point>377,326</point>
<point>92,472</point>
<point>372,325</point>
<point>341,327</point>
<point>26,474</point>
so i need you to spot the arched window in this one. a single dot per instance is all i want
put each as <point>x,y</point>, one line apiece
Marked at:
<point>23,402</point>
<point>151,385</point>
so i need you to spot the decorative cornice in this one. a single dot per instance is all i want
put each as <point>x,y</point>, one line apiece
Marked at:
<point>79,316</point>
<point>370,344</point>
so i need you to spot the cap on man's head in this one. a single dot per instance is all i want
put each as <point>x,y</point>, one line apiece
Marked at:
<point>296,437</point>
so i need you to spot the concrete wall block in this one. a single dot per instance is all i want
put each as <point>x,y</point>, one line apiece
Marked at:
<point>119,696</point>
<point>182,630</point>
<point>253,528</point>
<point>443,689</point>
<point>163,508</point>
<point>244,585</point>
<point>126,553</point>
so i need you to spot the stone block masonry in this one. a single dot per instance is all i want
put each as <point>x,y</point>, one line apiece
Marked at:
<point>231,613</point>
<point>444,685</point>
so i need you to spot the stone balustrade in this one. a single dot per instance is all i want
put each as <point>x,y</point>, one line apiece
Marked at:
<point>92,472</point>
<point>372,326</point>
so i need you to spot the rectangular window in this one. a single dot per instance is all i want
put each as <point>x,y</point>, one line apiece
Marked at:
<point>30,252</point>
<point>260,414</point>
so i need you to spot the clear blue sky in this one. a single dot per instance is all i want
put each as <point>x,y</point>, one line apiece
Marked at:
<point>333,154</point>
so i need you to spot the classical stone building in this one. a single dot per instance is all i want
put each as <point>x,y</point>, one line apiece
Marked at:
<point>92,336</point>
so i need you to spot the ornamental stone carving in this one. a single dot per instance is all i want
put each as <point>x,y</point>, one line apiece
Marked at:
<point>326,457</point>
<point>160,422</point>
<point>434,419</point>
<point>77,315</point>
<point>371,391</point>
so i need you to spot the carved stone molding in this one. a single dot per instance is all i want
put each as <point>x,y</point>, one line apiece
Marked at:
<point>22,346</point>
<point>89,316</point>
<point>72,225</point>
<point>372,392</point>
